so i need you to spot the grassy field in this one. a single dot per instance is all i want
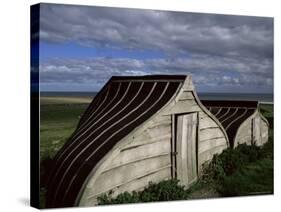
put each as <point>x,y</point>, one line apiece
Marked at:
<point>50,100</point>
<point>58,119</point>
<point>60,115</point>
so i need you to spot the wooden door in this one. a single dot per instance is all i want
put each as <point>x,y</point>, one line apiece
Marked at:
<point>186,148</point>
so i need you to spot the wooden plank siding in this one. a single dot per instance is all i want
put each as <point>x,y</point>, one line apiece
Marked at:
<point>129,172</point>
<point>135,185</point>
<point>211,139</point>
<point>244,133</point>
<point>144,157</point>
<point>253,131</point>
<point>264,131</point>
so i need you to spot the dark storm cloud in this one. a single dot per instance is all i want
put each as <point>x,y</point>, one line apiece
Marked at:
<point>170,32</point>
<point>215,49</point>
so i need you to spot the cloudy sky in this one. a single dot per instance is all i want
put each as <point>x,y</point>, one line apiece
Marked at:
<point>82,47</point>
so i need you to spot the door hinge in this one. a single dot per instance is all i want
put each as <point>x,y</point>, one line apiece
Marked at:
<point>174,153</point>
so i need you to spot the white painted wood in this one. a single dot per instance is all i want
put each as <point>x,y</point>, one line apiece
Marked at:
<point>186,148</point>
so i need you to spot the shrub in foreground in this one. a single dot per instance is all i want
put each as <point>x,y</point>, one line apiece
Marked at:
<point>252,179</point>
<point>242,171</point>
<point>163,191</point>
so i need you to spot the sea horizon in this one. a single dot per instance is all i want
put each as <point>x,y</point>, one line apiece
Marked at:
<point>261,97</point>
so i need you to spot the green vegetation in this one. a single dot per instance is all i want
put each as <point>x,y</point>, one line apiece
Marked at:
<point>255,178</point>
<point>58,120</point>
<point>54,100</point>
<point>163,191</point>
<point>242,171</point>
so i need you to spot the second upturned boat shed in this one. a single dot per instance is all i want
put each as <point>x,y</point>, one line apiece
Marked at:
<point>242,121</point>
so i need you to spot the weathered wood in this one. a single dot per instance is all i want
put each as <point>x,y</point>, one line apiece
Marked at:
<point>141,152</point>
<point>209,144</point>
<point>253,131</point>
<point>136,184</point>
<point>126,173</point>
<point>209,128</point>
<point>203,115</point>
<point>193,148</point>
<point>143,182</point>
<point>151,133</point>
<point>207,123</point>
<point>161,118</point>
<point>244,133</point>
<point>159,125</point>
<point>264,132</point>
<point>173,147</point>
<point>210,133</point>
<point>257,131</point>
<point>187,95</point>
<point>143,140</point>
<point>180,157</point>
<point>139,182</point>
<point>186,106</point>
<point>156,131</point>
<point>186,147</point>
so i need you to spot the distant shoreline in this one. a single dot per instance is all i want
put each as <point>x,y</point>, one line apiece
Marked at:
<point>261,98</point>
<point>267,103</point>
